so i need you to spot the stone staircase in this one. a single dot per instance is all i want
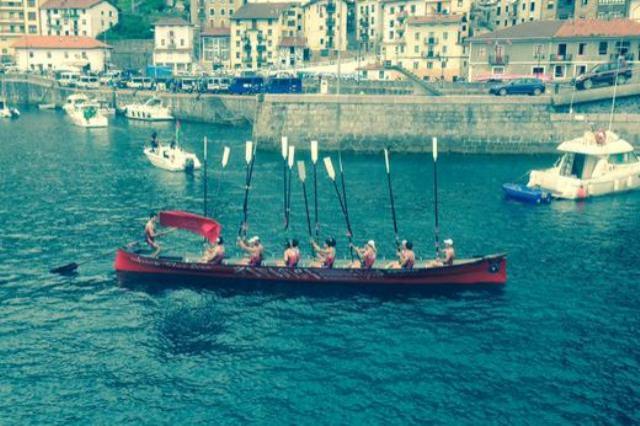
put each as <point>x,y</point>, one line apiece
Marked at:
<point>422,85</point>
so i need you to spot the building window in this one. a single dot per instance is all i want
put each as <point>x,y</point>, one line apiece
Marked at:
<point>532,7</point>
<point>416,65</point>
<point>32,16</point>
<point>48,55</point>
<point>445,35</point>
<point>580,69</point>
<point>161,42</point>
<point>31,54</point>
<point>413,8</point>
<point>558,71</point>
<point>582,48</point>
<point>181,42</point>
<point>212,12</point>
<point>603,46</point>
<point>416,49</point>
<point>84,55</point>
<point>537,71</point>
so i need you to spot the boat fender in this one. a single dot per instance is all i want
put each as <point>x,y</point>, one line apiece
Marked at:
<point>581,193</point>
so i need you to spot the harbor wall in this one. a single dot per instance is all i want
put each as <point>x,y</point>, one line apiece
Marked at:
<point>467,124</point>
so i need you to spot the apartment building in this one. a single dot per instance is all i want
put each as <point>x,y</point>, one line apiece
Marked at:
<point>17,18</point>
<point>174,45</point>
<point>325,25</point>
<point>368,24</point>
<point>557,49</point>
<point>214,48</point>
<point>86,18</point>
<point>213,13</point>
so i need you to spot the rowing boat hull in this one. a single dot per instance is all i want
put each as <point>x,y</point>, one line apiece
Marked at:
<point>487,270</point>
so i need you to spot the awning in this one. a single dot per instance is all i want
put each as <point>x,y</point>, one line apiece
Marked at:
<point>208,228</point>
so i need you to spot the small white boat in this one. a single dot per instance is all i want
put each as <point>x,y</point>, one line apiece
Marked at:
<point>598,163</point>
<point>74,100</point>
<point>6,111</point>
<point>46,106</point>
<point>152,110</point>
<point>173,159</point>
<point>87,115</point>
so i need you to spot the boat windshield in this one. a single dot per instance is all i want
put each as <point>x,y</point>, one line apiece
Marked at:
<point>626,158</point>
<point>154,102</point>
<point>578,166</point>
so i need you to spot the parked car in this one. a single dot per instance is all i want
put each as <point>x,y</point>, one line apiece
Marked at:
<point>88,82</point>
<point>67,78</point>
<point>140,83</point>
<point>188,84</point>
<point>246,85</point>
<point>217,84</point>
<point>520,86</point>
<point>284,85</point>
<point>605,74</point>
<point>110,77</point>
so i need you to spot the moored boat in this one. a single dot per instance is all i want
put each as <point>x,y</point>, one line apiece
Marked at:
<point>173,159</point>
<point>152,110</point>
<point>598,163</point>
<point>6,111</point>
<point>525,194</point>
<point>87,114</point>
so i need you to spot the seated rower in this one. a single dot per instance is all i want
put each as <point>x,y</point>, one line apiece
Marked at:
<point>366,255</point>
<point>214,255</point>
<point>449,255</point>
<point>406,257</point>
<point>253,247</point>
<point>291,255</point>
<point>326,255</point>
<point>150,234</point>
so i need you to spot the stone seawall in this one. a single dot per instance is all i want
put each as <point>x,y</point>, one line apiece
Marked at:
<point>471,124</point>
<point>468,124</point>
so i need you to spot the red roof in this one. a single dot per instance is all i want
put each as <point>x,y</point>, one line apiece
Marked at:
<point>599,28</point>
<point>70,4</point>
<point>216,32</point>
<point>293,42</point>
<point>59,42</point>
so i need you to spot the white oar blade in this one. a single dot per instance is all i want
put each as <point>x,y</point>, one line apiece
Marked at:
<point>329,166</point>
<point>248,153</point>
<point>292,154</point>
<point>386,159</point>
<point>302,172</point>
<point>314,152</point>
<point>340,162</point>
<point>434,142</point>
<point>204,142</point>
<point>225,156</point>
<point>285,147</point>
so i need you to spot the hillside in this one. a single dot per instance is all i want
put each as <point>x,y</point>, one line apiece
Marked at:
<point>136,19</point>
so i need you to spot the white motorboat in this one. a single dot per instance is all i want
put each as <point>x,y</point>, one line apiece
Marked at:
<point>152,110</point>
<point>6,111</point>
<point>74,100</point>
<point>598,163</point>
<point>173,159</point>
<point>87,115</point>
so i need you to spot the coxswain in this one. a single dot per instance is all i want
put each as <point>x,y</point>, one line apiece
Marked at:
<point>326,256</point>
<point>150,234</point>
<point>366,254</point>
<point>253,247</point>
<point>214,255</point>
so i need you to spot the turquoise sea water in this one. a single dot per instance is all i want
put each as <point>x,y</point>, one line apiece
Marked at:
<point>558,345</point>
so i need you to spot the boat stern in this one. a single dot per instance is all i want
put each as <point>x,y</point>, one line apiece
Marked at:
<point>559,186</point>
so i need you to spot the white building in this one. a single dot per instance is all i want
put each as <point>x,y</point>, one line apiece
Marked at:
<point>325,25</point>
<point>17,18</point>
<point>214,48</point>
<point>87,18</point>
<point>174,45</point>
<point>50,53</point>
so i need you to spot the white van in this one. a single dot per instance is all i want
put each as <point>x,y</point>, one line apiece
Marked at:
<point>67,78</point>
<point>218,84</point>
<point>144,83</point>
<point>88,82</point>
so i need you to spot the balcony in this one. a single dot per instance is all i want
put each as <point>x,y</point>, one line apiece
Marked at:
<point>629,57</point>
<point>430,55</point>
<point>555,57</point>
<point>431,41</point>
<point>498,59</point>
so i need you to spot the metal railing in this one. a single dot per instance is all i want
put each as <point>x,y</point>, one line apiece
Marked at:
<point>498,59</point>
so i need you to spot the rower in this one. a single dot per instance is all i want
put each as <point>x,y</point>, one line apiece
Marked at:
<point>449,252</point>
<point>366,254</point>
<point>150,234</point>
<point>326,255</point>
<point>253,247</point>
<point>214,255</point>
<point>291,254</point>
<point>406,256</point>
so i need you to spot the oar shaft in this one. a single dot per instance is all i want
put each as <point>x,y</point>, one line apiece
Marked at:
<point>288,197</point>
<point>315,199</point>
<point>346,217</point>
<point>245,205</point>
<point>393,205</point>
<point>435,207</point>
<point>284,193</point>
<point>306,208</point>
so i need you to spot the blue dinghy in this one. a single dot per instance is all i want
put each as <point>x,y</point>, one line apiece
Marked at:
<point>528,195</point>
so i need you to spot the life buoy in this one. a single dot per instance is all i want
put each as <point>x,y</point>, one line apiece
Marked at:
<point>601,137</point>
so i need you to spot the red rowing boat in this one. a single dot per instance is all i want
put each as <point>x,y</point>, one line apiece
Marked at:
<point>133,266</point>
<point>468,272</point>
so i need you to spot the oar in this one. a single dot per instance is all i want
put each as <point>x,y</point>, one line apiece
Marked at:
<point>71,267</point>
<point>393,204</point>
<point>249,158</point>
<point>225,160</point>
<point>204,184</point>
<point>285,151</point>
<point>302,174</point>
<point>332,175</point>
<point>290,158</point>
<point>344,188</point>
<point>314,160</point>
<point>435,194</point>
